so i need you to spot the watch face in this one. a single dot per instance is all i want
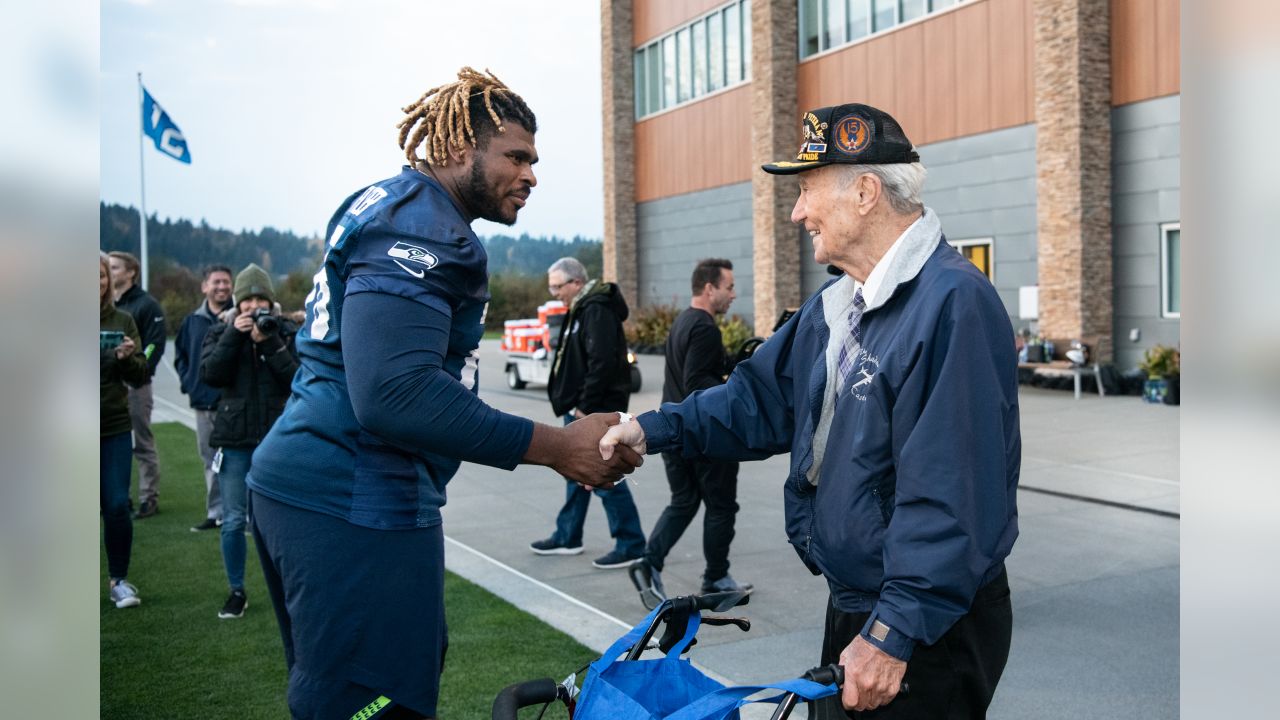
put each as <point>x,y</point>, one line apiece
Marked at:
<point>879,631</point>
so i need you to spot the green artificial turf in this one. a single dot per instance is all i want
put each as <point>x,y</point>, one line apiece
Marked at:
<point>172,657</point>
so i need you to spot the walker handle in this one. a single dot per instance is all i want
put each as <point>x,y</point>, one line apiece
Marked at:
<point>525,694</point>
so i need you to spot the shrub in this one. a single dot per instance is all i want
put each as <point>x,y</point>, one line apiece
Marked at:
<point>1161,361</point>
<point>733,332</point>
<point>513,297</point>
<point>648,327</point>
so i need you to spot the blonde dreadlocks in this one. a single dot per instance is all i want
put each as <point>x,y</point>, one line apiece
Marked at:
<point>448,116</point>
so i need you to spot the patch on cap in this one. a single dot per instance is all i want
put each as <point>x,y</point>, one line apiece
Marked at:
<point>852,134</point>
<point>815,138</point>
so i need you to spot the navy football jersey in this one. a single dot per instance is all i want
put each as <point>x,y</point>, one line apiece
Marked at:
<point>401,236</point>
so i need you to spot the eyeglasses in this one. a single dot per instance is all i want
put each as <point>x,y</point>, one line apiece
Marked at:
<point>555,288</point>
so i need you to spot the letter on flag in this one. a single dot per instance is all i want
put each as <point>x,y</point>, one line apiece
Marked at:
<point>166,135</point>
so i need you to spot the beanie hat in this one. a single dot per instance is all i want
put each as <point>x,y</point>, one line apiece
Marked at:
<point>252,281</point>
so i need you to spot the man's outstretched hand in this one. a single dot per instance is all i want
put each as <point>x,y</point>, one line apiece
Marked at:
<point>626,435</point>
<point>575,451</point>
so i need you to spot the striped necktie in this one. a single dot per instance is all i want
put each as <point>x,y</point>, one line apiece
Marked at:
<point>849,351</point>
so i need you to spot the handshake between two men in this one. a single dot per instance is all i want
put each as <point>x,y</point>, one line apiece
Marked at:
<point>597,450</point>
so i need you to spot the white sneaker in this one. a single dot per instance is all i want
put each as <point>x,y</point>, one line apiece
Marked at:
<point>125,595</point>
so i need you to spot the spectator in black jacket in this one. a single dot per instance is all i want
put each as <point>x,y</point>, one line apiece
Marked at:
<point>187,347</point>
<point>696,360</point>
<point>591,374</point>
<point>251,358</point>
<point>149,318</point>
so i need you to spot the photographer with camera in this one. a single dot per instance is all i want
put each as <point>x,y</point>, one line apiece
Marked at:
<point>250,357</point>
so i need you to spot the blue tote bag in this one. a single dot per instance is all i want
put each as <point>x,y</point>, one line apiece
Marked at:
<point>669,687</point>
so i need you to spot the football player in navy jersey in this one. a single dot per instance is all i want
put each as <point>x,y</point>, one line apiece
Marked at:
<point>346,490</point>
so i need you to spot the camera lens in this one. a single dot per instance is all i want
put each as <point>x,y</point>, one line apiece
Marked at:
<point>266,322</point>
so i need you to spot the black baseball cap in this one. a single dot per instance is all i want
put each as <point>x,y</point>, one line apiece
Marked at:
<point>854,133</point>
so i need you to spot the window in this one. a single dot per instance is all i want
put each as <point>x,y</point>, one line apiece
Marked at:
<point>859,19</point>
<point>653,75</point>
<point>885,14</point>
<point>810,20</point>
<point>827,24</point>
<point>979,253</point>
<point>700,57</point>
<point>1171,270</point>
<point>715,48</point>
<point>912,9</point>
<point>668,71</point>
<point>641,94</point>
<point>732,44</point>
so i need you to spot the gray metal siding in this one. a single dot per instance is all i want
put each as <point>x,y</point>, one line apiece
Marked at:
<point>674,233</point>
<point>1146,192</point>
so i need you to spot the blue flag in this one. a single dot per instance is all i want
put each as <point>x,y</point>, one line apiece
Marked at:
<point>166,135</point>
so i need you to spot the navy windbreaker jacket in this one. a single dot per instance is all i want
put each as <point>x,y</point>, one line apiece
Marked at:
<point>914,508</point>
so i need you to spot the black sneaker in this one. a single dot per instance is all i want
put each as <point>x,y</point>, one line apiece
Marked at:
<point>147,509</point>
<point>208,524</point>
<point>648,582</point>
<point>726,584</point>
<point>551,546</point>
<point>237,601</point>
<point>613,560</point>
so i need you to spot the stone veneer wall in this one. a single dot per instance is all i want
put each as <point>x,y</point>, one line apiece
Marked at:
<point>1073,159</point>
<point>618,78</point>
<point>775,134</point>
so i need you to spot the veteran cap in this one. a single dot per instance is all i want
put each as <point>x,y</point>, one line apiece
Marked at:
<point>854,133</point>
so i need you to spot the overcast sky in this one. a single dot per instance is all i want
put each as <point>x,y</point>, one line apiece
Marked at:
<point>290,105</point>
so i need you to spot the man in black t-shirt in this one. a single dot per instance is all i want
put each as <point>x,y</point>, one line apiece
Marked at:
<point>696,360</point>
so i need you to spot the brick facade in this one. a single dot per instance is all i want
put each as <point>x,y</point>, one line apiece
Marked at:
<point>1073,171</point>
<point>618,77</point>
<point>774,135</point>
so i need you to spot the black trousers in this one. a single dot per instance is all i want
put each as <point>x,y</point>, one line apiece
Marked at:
<point>953,678</point>
<point>692,483</point>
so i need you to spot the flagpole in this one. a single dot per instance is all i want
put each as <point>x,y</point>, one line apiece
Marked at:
<point>142,177</point>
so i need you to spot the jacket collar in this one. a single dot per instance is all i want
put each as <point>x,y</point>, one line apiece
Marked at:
<point>905,258</point>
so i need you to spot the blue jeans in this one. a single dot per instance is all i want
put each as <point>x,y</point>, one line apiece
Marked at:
<point>619,508</point>
<point>235,467</point>
<point>115,460</point>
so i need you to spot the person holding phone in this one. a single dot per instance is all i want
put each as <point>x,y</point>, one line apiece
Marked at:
<point>119,362</point>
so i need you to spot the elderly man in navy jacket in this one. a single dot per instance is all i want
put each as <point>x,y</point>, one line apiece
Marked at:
<point>895,391</point>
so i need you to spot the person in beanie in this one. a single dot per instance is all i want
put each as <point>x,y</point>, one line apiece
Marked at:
<point>250,357</point>
<point>895,389</point>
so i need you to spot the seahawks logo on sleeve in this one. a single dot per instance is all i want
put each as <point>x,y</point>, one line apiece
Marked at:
<point>402,253</point>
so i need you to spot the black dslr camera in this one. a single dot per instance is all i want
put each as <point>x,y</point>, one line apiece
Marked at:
<point>266,323</point>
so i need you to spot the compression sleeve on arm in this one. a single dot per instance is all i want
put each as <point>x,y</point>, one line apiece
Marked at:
<point>401,392</point>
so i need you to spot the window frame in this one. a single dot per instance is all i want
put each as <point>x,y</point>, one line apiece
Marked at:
<point>820,8</point>
<point>742,10</point>
<point>1165,229</point>
<point>989,241</point>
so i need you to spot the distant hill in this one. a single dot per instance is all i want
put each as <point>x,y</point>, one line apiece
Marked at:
<point>188,245</point>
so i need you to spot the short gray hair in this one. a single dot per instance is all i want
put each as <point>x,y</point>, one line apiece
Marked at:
<point>570,268</point>
<point>902,183</point>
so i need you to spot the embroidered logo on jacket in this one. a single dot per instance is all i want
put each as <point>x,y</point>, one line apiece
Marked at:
<point>864,372</point>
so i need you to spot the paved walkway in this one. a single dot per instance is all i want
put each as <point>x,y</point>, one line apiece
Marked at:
<point>1095,584</point>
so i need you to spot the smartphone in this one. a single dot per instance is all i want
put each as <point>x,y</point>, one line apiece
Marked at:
<point>109,339</point>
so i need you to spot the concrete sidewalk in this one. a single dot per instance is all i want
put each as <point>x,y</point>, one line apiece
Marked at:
<point>1095,586</point>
